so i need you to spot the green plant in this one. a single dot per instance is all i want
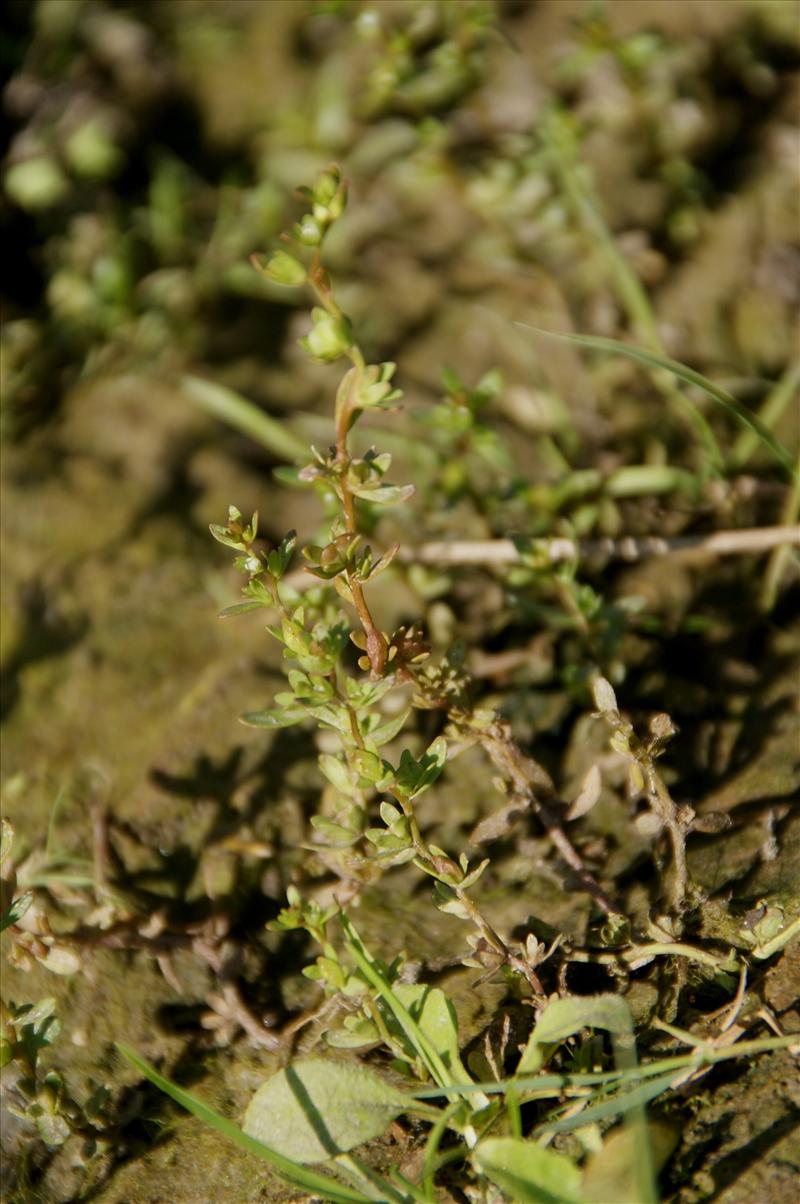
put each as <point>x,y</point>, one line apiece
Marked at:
<point>319,1110</point>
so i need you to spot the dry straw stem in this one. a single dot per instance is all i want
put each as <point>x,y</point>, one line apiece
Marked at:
<point>499,552</point>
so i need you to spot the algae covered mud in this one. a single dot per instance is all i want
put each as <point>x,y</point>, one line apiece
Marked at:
<point>625,171</point>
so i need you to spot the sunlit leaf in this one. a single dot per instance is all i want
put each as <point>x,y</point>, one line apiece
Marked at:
<point>564,1017</point>
<point>527,1172</point>
<point>318,1109</point>
<point>312,1181</point>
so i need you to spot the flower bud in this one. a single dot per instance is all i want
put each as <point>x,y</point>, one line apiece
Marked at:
<point>329,337</point>
<point>284,269</point>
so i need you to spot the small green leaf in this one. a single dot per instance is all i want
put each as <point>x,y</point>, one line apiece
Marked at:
<point>336,835</point>
<point>528,1173</point>
<point>275,717</point>
<point>283,269</point>
<point>222,535</point>
<point>336,772</point>
<point>315,1110</point>
<point>388,842</point>
<point>413,777</point>
<point>387,731</point>
<point>14,913</point>
<point>278,559</point>
<point>604,697</point>
<point>240,608</point>
<point>6,841</point>
<point>384,495</point>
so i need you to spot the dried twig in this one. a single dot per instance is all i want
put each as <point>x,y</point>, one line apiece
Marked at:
<point>530,788</point>
<point>498,552</point>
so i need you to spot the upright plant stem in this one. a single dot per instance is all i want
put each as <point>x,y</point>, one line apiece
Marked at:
<point>377,648</point>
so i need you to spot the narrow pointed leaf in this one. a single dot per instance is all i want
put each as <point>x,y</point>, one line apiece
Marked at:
<point>689,376</point>
<point>246,417</point>
<point>274,717</point>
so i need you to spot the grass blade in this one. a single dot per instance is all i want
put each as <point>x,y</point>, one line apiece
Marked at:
<point>619,1105</point>
<point>769,414</point>
<point>246,417</point>
<point>429,1055</point>
<point>554,1084</point>
<point>688,375</point>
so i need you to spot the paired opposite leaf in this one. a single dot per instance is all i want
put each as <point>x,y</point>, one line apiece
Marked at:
<point>413,777</point>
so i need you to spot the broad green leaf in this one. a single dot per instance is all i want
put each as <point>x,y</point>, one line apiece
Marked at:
<point>528,1173</point>
<point>564,1017</point>
<point>688,375</point>
<point>318,1109</point>
<point>274,717</point>
<point>436,1017</point>
<point>312,1181</point>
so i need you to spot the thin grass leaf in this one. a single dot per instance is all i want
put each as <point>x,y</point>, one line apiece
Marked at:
<point>769,414</point>
<point>688,375</point>
<point>618,1106</point>
<point>311,1181</point>
<point>553,1084</point>
<point>241,414</point>
<point>366,1179</point>
<point>429,1055</point>
<point>629,287</point>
